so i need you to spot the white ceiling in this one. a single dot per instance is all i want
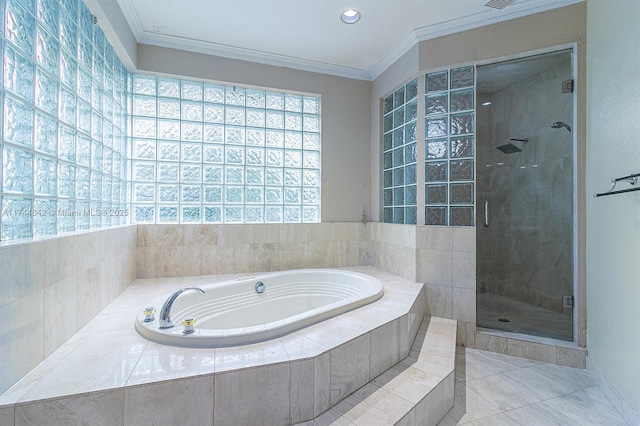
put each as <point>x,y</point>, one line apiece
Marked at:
<point>308,34</point>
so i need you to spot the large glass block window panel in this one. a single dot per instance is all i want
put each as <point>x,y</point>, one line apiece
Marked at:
<point>63,104</point>
<point>449,147</point>
<point>400,116</point>
<point>209,153</point>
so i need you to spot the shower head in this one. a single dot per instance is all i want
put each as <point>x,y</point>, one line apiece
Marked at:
<point>510,147</point>
<point>559,124</point>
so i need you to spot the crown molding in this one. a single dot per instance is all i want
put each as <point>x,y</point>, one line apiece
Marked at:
<point>488,17</point>
<point>198,46</point>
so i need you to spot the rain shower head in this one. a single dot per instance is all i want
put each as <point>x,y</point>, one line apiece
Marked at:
<point>510,147</point>
<point>559,124</point>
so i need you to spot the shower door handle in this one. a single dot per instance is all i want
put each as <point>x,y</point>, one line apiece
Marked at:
<point>486,213</point>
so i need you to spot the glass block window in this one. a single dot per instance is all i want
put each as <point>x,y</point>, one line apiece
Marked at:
<point>449,147</point>
<point>208,153</point>
<point>400,155</point>
<point>63,103</point>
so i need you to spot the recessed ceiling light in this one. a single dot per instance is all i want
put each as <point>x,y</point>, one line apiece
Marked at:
<point>350,16</point>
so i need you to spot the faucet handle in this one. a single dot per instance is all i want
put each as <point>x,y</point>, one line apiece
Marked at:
<point>149,314</point>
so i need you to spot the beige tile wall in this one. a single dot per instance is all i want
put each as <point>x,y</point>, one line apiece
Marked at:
<point>50,288</point>
<point>185,250</point>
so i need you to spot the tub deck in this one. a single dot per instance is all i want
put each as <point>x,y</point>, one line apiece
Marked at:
<point>108,374</point>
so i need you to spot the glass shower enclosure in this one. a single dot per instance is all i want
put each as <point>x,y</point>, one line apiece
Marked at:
<point>525,196</point>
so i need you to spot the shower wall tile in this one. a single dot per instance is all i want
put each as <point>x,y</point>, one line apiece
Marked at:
<point>184,401</point>
<point>100,409</point>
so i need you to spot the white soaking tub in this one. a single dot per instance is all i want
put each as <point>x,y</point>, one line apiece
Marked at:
<point>233,313</point>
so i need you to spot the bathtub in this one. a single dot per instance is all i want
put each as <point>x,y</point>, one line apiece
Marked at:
<point>233,313</point>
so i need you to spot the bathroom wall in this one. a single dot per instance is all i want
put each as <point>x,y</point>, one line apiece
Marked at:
<point>526,253</point>
<point>183,250</point>
<point>51,287</point>
<point>613,222</point>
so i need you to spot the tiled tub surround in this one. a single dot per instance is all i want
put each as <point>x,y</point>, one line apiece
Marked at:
<point>51,287</point>
<point>186,250</point>
<point>107,374</point>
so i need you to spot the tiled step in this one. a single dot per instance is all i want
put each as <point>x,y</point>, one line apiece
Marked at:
<point>416,391</point>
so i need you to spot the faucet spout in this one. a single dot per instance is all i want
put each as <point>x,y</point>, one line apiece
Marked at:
<point>165,313</point>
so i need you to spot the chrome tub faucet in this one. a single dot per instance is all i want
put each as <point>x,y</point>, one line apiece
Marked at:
<point>165,312</point>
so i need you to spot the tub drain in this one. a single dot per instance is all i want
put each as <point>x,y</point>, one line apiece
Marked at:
<point>503,320</point>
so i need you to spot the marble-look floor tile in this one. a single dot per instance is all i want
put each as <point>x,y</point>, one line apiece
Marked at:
<point>575,378</point>
<point>540,414</point>
<point>587,407</point>
<point>536,384</point>
<point>495,420</point>
<point>469,406</point>
<point>501,393</point>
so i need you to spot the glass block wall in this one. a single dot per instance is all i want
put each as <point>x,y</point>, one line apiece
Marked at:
<point>449,147</point>
<point>209,153</point>
<point>399,155</point>
<point>64,139</point>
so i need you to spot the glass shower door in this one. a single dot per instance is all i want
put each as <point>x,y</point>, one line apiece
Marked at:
<point>525,196</point>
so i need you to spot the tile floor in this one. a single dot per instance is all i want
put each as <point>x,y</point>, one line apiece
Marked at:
<point>522,317</point>
<point>494,390</point>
